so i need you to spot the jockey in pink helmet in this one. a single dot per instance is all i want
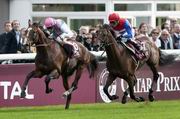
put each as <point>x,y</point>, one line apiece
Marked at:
<point>59,31</point>
<point>123,29</point>
<point>58,28</point>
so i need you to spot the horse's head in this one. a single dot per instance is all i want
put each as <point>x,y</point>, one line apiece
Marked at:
<point>105,34</point>
<point>36,35</point>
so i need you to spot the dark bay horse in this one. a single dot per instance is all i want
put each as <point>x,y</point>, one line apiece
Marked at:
<point>121,64</point>
<point>52,61</point>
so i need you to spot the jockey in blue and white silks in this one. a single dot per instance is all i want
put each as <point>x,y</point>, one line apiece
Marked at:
<point>123,29</point>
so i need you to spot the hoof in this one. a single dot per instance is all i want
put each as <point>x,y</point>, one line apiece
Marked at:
<point>151,98</point>
<point>124,99</point>
<point>114,97</point>
<point>141,99</point>
<point>67,107</point>
<point>49,91</point>
<point>23,94</point>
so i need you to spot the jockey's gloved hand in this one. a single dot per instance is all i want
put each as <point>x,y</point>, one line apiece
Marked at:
<point>51,36</point>
<point>125,40</point>
<point>119,38</point>
<point>47,32</point>
<point>58,39</point>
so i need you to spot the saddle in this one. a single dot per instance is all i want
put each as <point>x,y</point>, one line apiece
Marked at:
<point>138,54</point>
<point>71,48</point>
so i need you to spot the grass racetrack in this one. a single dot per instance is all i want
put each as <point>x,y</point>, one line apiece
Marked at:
<point>131,110</point>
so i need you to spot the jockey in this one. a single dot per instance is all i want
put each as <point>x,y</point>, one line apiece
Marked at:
<point>122,29</point>
<point>59,31</point>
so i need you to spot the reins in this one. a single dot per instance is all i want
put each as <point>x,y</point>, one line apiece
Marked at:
<point>43,45</point>
<point>41,36</point>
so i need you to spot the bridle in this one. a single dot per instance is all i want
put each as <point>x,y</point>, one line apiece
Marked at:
<point>40,44</point>
<point>104,44</point>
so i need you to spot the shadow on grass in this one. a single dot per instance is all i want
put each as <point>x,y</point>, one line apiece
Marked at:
<point>31,109</point>
<point>75,107</point>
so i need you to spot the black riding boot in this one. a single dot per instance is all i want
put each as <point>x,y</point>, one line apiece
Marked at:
<point>69,50</point>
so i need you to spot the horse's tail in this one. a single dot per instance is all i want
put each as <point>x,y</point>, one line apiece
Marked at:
<point>93,65</point>
<point>166,58</point>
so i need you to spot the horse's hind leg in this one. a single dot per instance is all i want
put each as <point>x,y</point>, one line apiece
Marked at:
<point>77,77</point>
<point>131,82</point>
<point>33,74</point>
<point>75,82</point>
<point>154,82</point>
<point>66,86</point>
<point>53,75</point>
<point>109,81</point>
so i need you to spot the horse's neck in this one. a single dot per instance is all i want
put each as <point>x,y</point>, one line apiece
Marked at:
<point>43,50</point>
<point>43,36</point>
<point>113,50</point>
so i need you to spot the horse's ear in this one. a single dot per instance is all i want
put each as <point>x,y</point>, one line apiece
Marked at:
<point>106,26</point>
<point>39,23</point>
<point>35,26</point>
<point>29,23</point>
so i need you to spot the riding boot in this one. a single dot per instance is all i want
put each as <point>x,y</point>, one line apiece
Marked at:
<point>60,41</point>
<point>69,50</point>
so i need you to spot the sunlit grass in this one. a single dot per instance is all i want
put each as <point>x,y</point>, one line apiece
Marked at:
<point>132,110</point>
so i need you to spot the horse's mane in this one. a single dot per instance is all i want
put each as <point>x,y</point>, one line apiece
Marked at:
<point>143,38</point>
<point>41,30</point>
<point>108,27</point>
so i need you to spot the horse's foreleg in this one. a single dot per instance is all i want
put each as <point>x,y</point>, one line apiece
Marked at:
<point>33,74</point>
<point>66,86</point>
<point>53,75</point>
<point>131,82</point>
<point>109,81</point>
<point>127,91</point>
<point>124,98</point>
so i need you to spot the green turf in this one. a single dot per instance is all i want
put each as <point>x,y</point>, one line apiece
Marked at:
<point>131,110</point>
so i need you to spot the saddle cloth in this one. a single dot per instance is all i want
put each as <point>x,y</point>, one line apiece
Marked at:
<point>74,49</point>
<point>137,54</point>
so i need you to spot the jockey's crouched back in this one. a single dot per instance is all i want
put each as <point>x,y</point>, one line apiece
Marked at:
<point>59,31</point>
<point>124,33</point>
<point>122,29</point>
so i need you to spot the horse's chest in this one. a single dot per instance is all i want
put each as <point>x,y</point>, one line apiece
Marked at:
<point>113,69</point>
<point>45,65</point>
